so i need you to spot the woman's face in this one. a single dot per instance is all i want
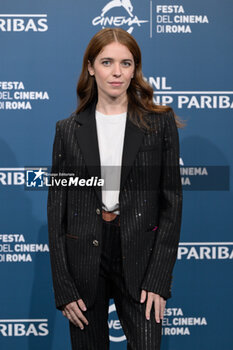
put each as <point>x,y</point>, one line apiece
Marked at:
<point>113,69</point>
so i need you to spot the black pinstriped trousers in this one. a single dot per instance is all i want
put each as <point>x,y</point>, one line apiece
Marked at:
<point>141,334</point>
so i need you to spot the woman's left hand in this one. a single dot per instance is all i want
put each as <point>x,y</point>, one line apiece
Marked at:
<point>159,304</point>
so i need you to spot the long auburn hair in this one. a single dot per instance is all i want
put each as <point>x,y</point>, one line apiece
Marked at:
<point>140,93</point>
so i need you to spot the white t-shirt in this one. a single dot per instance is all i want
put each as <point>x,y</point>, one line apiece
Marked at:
<point>110,131</point>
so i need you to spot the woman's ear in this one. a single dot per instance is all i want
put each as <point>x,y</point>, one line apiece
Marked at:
<point>90,68</point>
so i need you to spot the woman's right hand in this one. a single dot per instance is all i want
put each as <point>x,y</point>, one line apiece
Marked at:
<point>74,314</point>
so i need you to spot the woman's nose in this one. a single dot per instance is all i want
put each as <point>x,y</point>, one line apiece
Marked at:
<point>116,69</point>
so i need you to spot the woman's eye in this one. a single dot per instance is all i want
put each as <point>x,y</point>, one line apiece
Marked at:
<point>127,64</point>
<point>106,63</point>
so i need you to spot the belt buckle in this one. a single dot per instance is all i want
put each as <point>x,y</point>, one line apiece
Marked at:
<point>108,216</point>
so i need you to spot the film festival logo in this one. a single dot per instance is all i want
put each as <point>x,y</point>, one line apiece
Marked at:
<point>130,20</point>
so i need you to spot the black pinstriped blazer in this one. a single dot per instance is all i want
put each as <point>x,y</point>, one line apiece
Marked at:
<point>150,195</point>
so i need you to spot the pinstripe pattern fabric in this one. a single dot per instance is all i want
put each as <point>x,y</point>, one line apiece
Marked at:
<point>146,201</point>
<point>141,334</point>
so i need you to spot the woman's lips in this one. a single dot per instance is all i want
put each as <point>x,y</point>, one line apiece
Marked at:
<point>115,83</point>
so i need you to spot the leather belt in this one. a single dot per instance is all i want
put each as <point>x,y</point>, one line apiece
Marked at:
<point>109,216</point>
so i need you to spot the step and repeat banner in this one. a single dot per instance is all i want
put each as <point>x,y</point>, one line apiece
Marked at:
<point>187,58</point>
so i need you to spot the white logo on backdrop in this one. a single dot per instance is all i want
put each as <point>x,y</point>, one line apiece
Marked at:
<point>16,176</point>
<point>23,22</point>
<point>205,251</point>
<point>118,3</point>
<point>23,327</point>
<point>118,21</point>
<point>115,325</point>
<point>175,323</point>
<point>191,99</point>
<point>14,248</point>
<point>15,96</point>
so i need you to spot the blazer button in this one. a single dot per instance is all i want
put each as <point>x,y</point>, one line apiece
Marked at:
<point>98,211</point>
<point>95,243</point>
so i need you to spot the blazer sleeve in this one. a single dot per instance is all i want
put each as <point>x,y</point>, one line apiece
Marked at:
<point>64,287</point>
<point>163,257</point>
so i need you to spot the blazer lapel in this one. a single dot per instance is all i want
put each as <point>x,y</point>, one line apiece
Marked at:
<point>86,132</point>
<point>132,141</point>
<point>87,138</point>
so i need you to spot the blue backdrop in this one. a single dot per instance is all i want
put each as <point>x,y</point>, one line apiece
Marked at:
<point>187,57</point>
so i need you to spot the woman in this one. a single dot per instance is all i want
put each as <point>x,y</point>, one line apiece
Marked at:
<point>119,241</point>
